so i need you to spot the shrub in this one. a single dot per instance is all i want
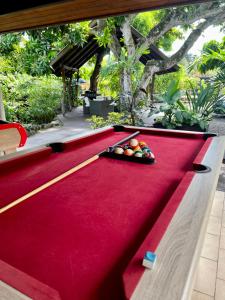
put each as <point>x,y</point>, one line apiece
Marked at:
<point>44,99</point>
<point>112,119</point>
<point>30,99</point>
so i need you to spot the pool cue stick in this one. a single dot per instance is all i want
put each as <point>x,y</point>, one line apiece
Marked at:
<point>62,176</point>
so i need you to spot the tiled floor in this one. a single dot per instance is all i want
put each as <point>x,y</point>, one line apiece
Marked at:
<point>210,279</point>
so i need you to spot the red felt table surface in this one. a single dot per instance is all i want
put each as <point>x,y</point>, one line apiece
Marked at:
<point>79,235</point>
<point>24,175</point>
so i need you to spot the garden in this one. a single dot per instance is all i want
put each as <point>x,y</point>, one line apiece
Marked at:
<point>139,66</point>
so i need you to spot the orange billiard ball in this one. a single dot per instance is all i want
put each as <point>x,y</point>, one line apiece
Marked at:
<point>128,152</point>
<point>142,144</point>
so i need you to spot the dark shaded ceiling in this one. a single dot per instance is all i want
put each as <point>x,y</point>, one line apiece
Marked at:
<point>11,6</point>
<point>75,56</point>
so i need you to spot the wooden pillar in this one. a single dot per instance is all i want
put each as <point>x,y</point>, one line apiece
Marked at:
<point>2,109</point>
<point>69,92</point>
<point>76,89</point>
<point>63,99</point>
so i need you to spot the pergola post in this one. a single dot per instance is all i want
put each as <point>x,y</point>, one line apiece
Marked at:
<point>63,99</point>
<point>70,92</point>
<point>76,88</point>
<point>2,109</point>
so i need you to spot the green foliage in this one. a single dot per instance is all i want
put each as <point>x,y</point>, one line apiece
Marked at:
<point>198,109</point>
<point>8,42</point>
<point>172,94</point>
<point>31,51</point>
<point>6,65</point>
<point>202,101</point>
<point>166,42</point>
<point>219,79</point>
<point>29,99</point>
<point>112,119</point>
<point>220,107</point>
<point>212,55</point>
<point>184,78</point>
<point>144,22</point>
<point>104,38</point>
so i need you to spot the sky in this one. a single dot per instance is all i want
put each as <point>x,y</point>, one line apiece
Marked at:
<point>212,33</point>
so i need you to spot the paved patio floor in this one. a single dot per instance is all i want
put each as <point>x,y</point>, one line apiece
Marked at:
<point>74,124</point>
<point>217,125</point>
<point>210,279</point>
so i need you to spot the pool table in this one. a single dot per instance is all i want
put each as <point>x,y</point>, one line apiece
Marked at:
<point>84,237</point>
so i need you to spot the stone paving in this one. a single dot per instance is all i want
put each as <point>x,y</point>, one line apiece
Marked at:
<point>210,278</point>
<point>74,124</point>
<point>217,126</point>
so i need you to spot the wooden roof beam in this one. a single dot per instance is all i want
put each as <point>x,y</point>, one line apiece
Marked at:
<point>77,10</point>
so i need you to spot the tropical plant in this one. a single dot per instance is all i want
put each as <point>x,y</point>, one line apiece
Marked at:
<point>203,100</point>
<point>197,110</point>
<point>213,58</point>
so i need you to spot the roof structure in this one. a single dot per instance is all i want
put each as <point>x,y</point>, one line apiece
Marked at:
<point>74,57</point>
<point>27,14</point>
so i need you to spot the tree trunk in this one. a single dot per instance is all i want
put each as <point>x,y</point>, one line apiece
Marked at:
<point>2,109</point>
<point>127,90</point>
<point>140,92</point>
<point>152,88</point>
<point>94,77</point>
<point>128,103</point>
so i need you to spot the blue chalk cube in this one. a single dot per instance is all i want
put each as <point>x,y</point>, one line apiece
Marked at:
<point>149,260</point>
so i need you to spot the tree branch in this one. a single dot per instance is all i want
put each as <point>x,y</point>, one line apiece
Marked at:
<point>178,16</point>
<point>192,38</point>
<point>153,67</point>
<point>127,35</point>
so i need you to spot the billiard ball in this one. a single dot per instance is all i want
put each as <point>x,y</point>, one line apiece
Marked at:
<point>138,153</point>
<point>145,149</point>
<point>138,148</point>
<point>129,152</point>
<point>147,154</point>
<point>142,144</point>
<point>118,150</point>
<point>133,143</point>
<point>152,155</point>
